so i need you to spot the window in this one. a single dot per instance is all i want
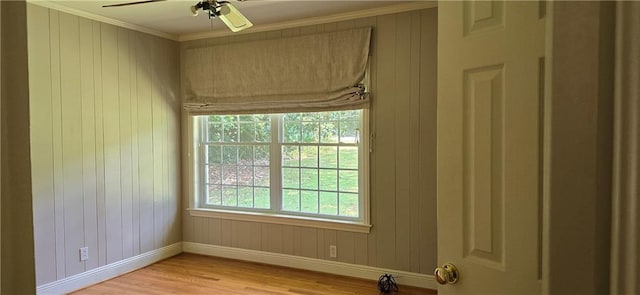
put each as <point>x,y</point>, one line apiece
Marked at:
<point>298,165</point>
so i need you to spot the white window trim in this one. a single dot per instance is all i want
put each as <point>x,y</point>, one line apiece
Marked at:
<point>296,220</point>
<point>360,226</point>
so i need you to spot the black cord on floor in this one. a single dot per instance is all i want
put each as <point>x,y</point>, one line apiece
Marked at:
<point>387,284</point>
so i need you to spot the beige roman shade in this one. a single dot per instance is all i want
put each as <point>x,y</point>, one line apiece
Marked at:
<point>307,73</point>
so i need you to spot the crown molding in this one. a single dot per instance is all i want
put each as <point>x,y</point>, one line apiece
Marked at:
<point>59,7</point>
<point>316,20</point>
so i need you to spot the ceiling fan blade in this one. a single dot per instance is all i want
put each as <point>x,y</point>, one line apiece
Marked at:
<point>132,3</point>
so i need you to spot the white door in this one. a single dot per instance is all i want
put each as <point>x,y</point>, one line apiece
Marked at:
<point>489,63</point>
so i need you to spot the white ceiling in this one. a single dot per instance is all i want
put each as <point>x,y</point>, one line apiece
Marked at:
<point>174,17</point>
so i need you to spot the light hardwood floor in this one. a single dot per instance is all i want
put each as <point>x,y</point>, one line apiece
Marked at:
<point>197,274</point>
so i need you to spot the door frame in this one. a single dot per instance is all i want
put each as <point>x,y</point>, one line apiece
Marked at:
<point>625,260</point>
<point>577,149</point>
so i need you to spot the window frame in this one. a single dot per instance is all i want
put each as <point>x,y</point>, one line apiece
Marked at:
<point>196,187</point>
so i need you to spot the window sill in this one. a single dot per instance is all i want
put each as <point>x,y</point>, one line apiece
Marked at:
<point>282,219</point>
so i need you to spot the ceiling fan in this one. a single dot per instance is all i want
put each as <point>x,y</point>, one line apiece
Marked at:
<point>228,13</point>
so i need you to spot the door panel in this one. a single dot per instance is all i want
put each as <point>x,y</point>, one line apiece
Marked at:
<point>488,101</point>
<point>483,198</point>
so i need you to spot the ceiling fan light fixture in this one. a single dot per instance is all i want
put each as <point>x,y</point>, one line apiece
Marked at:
<point>232,17</point>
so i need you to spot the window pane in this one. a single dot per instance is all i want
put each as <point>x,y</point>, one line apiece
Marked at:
<point>263,132</point>
<point>309,156</point>
<point>230,133</point>
<point>247,132</point>
<point>245,175</point>
<point>311,116</point>
<point>292,117</point>
<point>290,156</point>
<point>328,180</point>
<point>349,205</point>
<point>214,154</point>
<point>246,118</point>
<point>328,157</point>
<point>245,155</point>
<point>214,132</point>
<point>214,119</point>
<point>348,157</point>
<point>309,201</point>
<point>262,199</point>
<point>348,131</point>
<point>261,176</point>
<point>262,118</point>
<point>229,118</point>
<point>330,116</point>
<point>229,196</point>
<point>329,132</point>
<point>214,174</point>
<point>348,181</point>
<point>309,179</point>
<point>292,131</point>
<point>229,154</point>
<point>229,175</point>
<point>290,177</point>
<point>290,200</point>
<point>262,155</point>
<point>214,195</point>
<point>245,197</point>
<point>350,115</point>
<point>328,203</point>
<point>310,132</point>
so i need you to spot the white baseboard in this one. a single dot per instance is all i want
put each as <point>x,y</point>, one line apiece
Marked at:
<point>109,271</point>
<point>326,266</point>
<point>106,272</point>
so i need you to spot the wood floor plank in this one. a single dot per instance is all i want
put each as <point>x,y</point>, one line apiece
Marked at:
<point>196,274</point>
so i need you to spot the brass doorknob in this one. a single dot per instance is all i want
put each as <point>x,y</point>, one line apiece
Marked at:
<point>447,274</point>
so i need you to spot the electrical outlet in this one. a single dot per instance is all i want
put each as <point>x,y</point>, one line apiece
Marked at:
<point>84,253</point>
<point>333,251</point>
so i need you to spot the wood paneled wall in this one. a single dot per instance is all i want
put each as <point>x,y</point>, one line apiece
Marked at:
<point>403,161</point>
<point>17,266</point>
<point>105,133</point>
